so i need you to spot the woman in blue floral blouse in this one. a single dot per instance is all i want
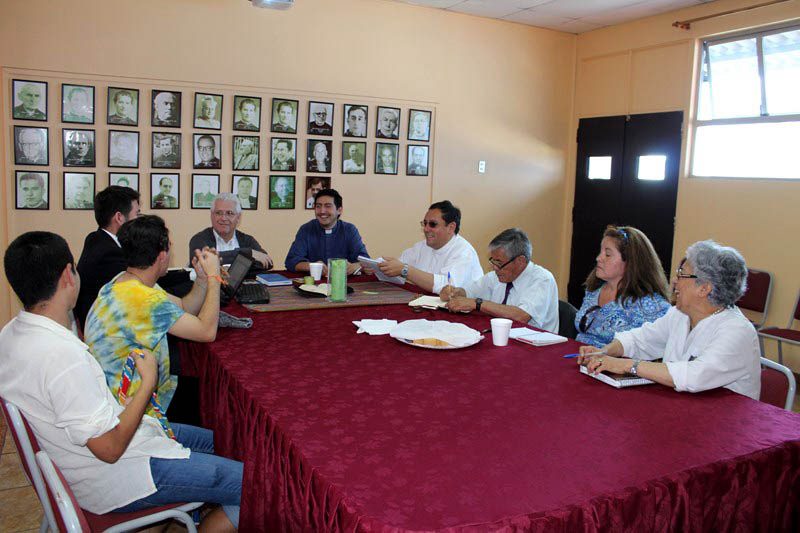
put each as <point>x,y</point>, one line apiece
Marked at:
<point>626,289</point>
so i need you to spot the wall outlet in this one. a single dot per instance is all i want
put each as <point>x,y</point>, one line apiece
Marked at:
<point>482,167</point>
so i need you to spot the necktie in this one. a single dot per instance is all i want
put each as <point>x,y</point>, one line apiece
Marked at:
<point>508,290</point>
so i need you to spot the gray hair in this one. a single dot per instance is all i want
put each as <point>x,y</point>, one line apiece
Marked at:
<point>228,197</point>
<point>514,242</point>
<point>721,266</point>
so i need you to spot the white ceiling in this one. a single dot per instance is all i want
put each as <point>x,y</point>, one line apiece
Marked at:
<point>572,16</point>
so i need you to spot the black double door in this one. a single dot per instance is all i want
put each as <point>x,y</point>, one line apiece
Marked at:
<point>626,174</point>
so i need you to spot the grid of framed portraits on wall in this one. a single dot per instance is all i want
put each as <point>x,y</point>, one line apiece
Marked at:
<point>311,140</point>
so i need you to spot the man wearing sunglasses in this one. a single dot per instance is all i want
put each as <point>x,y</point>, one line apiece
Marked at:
<point>443,258</point>
<point>515,289</point>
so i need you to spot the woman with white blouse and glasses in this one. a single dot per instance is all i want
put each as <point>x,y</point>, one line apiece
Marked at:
<point>705,341</point>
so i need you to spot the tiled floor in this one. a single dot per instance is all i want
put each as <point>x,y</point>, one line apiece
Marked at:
<point>19,507</point>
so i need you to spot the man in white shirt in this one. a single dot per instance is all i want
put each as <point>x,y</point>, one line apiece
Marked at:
<point>443,258</point>
<point>114,458</point>
<point>516,289</point>
<point>226,213</point>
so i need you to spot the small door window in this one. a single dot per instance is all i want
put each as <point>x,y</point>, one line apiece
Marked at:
<point>652,167</point>
<point>600,167</point>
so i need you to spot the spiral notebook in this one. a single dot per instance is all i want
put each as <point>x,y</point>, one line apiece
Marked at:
<point>617,380</point>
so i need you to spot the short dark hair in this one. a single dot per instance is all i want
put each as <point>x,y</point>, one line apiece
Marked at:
<point>112,199</point>
<point>315,179</point>
<point>32,176</point>
<point>33,263</point>
<point>142,239</point>
<point>450,213</point>
<point>337,198</point>
<point>122,93</point>
<point>244,101</point>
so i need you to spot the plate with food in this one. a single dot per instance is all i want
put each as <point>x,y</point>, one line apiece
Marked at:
<point>436,334</point>
<point>436,344</point>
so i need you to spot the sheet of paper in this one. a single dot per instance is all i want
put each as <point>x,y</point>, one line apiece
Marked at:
<point>372,264</point>
<point>429,302</point>
<point>371,326</point>
<point>537,338</point>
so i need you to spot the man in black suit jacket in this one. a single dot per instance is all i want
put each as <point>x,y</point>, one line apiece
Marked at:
<point>101,258</point>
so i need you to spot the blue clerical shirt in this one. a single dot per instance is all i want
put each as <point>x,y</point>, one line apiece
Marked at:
<point>313,243</point>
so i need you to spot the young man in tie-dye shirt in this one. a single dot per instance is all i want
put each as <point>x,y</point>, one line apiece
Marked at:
<point>132,311</point>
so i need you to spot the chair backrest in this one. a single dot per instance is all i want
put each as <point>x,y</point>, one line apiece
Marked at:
<point>756,297</point>
<point>796,315</point>
<point>778,385</point>
<point>566,319</point>
<point>70,517</point>
<point>27,446</point>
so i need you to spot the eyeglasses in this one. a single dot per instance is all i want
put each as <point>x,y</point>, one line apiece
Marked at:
<point>500,266</point>
<point>582,325</point>
<point>679,273</point>
<point>428,223</point>
<point>229,214</point>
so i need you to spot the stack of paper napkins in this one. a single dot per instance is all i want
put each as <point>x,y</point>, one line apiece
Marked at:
<point>453,333</point>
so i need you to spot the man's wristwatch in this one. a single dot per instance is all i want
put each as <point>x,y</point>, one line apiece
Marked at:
<point>404,272</point>
<point>478,302</point>
<point>634,368</point>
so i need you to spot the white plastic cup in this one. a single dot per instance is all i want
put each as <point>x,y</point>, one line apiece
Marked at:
<point>500,330</point>
<point>316,271</point>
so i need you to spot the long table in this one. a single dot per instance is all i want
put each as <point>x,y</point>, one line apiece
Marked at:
<point>348,432</point>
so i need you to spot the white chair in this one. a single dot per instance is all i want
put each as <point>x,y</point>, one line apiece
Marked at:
<point>27,448</point>
<point>71,518</point>
<point>778,385</point>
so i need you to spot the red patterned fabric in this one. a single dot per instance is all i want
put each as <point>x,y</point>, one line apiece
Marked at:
<point>351,432</point>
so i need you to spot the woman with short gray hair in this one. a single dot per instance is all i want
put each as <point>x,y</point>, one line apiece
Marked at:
<point>705,341</point>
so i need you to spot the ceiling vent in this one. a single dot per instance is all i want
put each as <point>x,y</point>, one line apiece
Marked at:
<point>273,4</point>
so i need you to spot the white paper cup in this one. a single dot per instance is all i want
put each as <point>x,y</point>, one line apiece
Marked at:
<point>500,329</point>
<point>316,271</point>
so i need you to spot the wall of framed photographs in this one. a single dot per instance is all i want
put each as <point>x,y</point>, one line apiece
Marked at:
<point>496,91</point>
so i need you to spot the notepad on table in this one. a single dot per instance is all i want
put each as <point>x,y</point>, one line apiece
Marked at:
<point>273,280</point>
<point>617,380</point>
<point>535,338</point>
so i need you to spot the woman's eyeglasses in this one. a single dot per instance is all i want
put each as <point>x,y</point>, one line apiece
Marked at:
<point>582,325</point>
<point>679,273</point>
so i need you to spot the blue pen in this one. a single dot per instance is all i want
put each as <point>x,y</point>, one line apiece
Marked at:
<point>448,279</point>
<point>574,355</point>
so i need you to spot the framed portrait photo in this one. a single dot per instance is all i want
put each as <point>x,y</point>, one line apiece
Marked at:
<point>354,157</point>
<point>417,160</point>
<point>78,148</point>
<point>245,152</point>
<point>388,126</point>
<point>165,108</point>
<point>246,189</point>
<point>208,111</point>
<point>284,115</point>
<point>123,106</point>
<point>77,103</point>
<point>419,125</point>
<point>386,158</point>
<point>166,150</point>
<point>355,120</point>
<point>79,190</point>
<point>207,150</point>
<point>247,113</point>
<point>283,154</point>
<point>31,146</point>
<point>33,190</point>
<point>205,187</point>
<point>165,191</point>
<point>123,149</point>
<point>320,118</point>
<point>314,184</point>
<point>281,192</point>
<point>30,100</point>
<point>124,179</point>
<point>319,156</point>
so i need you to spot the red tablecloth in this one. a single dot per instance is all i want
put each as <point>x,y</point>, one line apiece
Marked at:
<point>341,431</point>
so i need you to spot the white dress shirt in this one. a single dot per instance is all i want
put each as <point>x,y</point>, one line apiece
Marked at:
<point>223,246</point>
<point>534,291</point>
<point>721,351</point>
<point>116,240</point>
<point>60,388</point>
<point>457,257</point>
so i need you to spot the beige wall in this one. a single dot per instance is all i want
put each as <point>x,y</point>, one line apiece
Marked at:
<point>648,66</point>
<point>501,93</point>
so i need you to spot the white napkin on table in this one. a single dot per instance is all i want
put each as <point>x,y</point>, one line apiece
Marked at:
<point>453,333</point>
<point>375,327</point>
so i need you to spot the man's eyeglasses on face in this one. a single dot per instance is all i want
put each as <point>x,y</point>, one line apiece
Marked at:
<point>500,266</point>
<point>220,214</point>
<point>679,273</point>
<point>428,223</point>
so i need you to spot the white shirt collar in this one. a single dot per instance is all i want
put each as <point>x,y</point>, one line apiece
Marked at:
<point>222,245</point>
<point>116,240</point>
<point>34,319</point>
<point>446,248</point>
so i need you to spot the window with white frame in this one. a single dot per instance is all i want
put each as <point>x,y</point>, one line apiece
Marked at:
<point>747,121</point>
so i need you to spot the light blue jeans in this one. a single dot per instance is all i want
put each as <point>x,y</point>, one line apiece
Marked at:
<point>203,477</point>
